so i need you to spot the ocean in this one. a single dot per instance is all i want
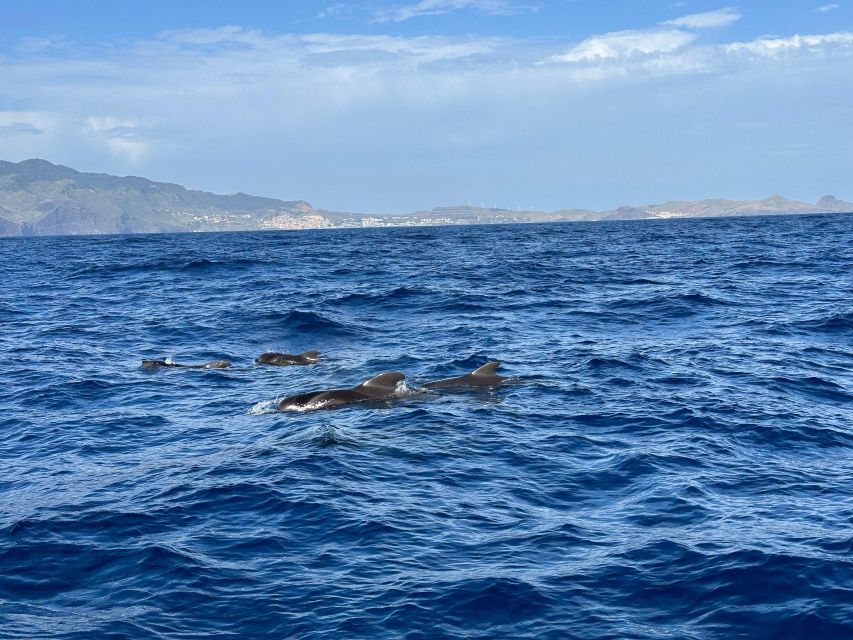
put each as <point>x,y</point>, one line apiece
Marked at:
<point>671,458</point>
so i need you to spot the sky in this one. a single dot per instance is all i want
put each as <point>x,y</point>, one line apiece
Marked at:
<point>399,105</point>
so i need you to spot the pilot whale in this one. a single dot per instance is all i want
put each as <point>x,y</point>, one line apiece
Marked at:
<point>484,376</point>
<point>284,359</point>
<point>382,386</point>
<point>216,364</point>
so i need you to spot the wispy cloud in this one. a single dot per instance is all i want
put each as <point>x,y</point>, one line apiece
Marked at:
<point>669,37</point>
<point>288,52</point>
<point>622,44</point>
<point>770,47</point>
<point>707,20</point>
<point>825,8</point>
<point>26,128</point>
<point>337,10</point>
<point>400,13</point>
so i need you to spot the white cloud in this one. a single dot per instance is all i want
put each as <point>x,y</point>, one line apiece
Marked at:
<point>707,20</point>
<point>622,44</point>
<point>825,8</point>
<point>400,13</point>
<point>769,47</point>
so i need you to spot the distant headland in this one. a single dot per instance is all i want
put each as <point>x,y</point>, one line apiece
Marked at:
<point>41,198</point>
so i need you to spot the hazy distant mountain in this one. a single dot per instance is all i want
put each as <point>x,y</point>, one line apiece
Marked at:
<point>717,207</point>
<point>627,213</point>
<point>831,203</point>
<point>41,198</point>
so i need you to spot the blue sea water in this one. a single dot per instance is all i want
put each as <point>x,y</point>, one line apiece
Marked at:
<point>672,459</point>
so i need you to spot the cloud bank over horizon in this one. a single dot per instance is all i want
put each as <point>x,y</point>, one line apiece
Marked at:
<point>676,108</point>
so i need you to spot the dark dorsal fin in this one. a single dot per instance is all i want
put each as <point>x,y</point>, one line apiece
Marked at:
<point>382,385</point>
<point>310,354</point>
<point>487,369</point>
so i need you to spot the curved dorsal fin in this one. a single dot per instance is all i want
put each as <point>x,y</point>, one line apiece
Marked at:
<point>487,369</point>
<point>383,384</point>
<point>311,354</point>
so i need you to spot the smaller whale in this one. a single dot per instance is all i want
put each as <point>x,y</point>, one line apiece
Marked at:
<point>484,376</point>
<point>377,388</point>
<point>285,359</point>
<point>216,364</point>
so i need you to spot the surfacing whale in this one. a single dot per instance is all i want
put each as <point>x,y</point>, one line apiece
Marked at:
<point>285,359</point>
<point>216,364</point>
<point>484,376</point>
<point>382,386</point>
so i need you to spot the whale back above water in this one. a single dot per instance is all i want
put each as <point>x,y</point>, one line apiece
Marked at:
<point>285,359</point>
<point>484,376</point>
<point>215,364</point>
<point>382,386</point>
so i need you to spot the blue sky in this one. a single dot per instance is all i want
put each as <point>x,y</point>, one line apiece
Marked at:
<point>391,106</point>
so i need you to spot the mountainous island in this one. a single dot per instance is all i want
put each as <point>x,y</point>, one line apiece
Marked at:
<point>41,198</point>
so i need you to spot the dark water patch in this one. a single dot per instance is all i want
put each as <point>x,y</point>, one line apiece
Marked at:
<point>639,281</point>
<point>402,295</point>
<point>670,511</point>
<point>69,395</point>
<point>666,307</point>
<point>597,362</point>
<point>678,380</point>
<point>841,323</point>
<point>116,524</point>
<point>813,386</point>
<point>316,435</point>
<point>816,433</point>
<point>485,602</point>
<point>164,265</point>
<point>308,322</point>
<point>203,264</point>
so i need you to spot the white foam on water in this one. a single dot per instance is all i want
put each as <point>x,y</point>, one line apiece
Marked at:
<point>406,390</point>
<point>262,407</point>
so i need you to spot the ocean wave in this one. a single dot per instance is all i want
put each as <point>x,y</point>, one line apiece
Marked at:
<point>169,265</point>
<point>403,295</point>
<point>670,306</point>
<point>485,601</point>
<point>597,362</point>
<point>813,386</point>
<point>841,322</point>
<point>304,325</point>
